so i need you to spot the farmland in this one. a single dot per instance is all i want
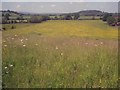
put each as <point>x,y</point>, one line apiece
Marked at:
<point>60,53</point>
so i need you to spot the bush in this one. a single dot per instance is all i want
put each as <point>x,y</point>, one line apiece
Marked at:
<point>3,28</point>
<point>12,27</point>
<point>39,19</point>
<point>35,19</point>
<point>111,20</point>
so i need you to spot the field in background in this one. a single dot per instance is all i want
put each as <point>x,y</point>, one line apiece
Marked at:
<point>60,54</point>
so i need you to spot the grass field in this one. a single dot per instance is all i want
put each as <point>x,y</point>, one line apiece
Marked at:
<point>77,54</point>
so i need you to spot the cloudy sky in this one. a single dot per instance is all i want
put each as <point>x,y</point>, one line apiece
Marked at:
<point>60,0</point>
<point>59,6</point>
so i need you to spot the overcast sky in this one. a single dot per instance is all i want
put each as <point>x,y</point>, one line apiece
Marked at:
<point>47,6</point>
<point>60,0</point>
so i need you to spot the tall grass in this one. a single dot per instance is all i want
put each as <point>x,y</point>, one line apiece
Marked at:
<point>32,60</point>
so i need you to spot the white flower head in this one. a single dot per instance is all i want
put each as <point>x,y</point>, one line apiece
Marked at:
<point>11,65</point>
<point>5,45</point>
<point>95,45</point>
<point>101,42</point>
<point>36,44</point>
<point>6,72</point>
<point>56,47</point>
<point>86,43</point>
<point>15,35</point>
<point>6,67</point>
<point>24,45</point>
<point>12,38</point>
<point>26,39</point>
<point>61,54</point>
<point>21,40</point>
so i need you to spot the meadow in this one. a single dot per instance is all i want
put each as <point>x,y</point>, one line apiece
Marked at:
<point>60,54</point>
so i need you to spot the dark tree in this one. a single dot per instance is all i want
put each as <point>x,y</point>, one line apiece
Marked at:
<point>76,16</point>
<point>45,18</point>
<point>56,18</point>
<point>68,17</point>
<point>7,16</point>
<point>4,20</point>
<point>118,19</point>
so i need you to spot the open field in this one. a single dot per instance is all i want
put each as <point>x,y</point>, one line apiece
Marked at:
<point>60,54</point>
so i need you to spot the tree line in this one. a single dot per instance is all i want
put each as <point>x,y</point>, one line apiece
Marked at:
<point>106,17</point>
<point>111,19</point>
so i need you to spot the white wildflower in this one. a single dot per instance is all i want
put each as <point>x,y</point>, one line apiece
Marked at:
<point>86,43</point>
<point>5,45</point>
<point>36,44</point>
<point>21,40</point>
<point>26,39</point>
<point>6,72</point>
<point>61,54</point>
<point>15,35</point>
<point>24,45</point>
<point>56,48</point>
<point>11,65</point>
<point>6,67</point>
<point>12,38</point>
<point>95,45</point>
<point>101,42</point>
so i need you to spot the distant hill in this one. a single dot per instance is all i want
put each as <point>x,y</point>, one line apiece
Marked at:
<point>14,14</point>
<point>90,13</point>
<point>27,15</point>
<point>11,13</point>
<point>83,13</point>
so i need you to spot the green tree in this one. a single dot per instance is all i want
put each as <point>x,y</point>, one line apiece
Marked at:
<point>105,16</point>
<point>35,19</point>
<point>111,20</point>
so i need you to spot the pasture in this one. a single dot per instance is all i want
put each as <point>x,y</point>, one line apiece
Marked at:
<point>60,54</point>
